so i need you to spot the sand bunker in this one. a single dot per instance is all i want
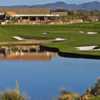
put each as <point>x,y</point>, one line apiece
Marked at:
<point>90,33</point>
<point>85,48</point>
<point>18,38</point>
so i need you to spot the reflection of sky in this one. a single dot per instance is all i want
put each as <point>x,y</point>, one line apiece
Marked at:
<point>33,2</point>
<point>45,79</point>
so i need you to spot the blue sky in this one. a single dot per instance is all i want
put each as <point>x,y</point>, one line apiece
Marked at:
<point>33,2</point>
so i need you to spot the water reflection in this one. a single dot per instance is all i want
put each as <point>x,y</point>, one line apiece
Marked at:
<point>43,80</point>
<point>29,56</point>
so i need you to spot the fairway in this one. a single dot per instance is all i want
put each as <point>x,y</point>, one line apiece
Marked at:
<point>70,32</point>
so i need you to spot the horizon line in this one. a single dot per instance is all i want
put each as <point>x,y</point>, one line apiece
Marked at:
<point>39,4</point>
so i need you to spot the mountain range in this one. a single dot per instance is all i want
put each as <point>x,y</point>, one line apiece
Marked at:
<point>95,5</point>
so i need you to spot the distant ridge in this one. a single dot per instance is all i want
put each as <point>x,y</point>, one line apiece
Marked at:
<point>95,5</point>
<point>52,5</point>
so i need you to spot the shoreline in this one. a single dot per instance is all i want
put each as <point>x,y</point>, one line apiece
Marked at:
<point>46,53</point>
<point>71,55</point>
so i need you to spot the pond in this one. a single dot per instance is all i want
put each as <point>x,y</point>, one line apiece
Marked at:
<point>43,80</point>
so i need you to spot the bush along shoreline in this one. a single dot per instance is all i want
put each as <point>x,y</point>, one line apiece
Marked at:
<point>12,94</point>
<point>92,93</point>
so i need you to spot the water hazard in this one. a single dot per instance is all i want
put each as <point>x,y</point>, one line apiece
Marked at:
<point>42,80</point>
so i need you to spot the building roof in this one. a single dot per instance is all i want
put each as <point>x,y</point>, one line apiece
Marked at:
<point>35,15</point>
<point>24,10</point>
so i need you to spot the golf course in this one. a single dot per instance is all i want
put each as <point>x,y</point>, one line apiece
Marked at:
<point>74,35</point>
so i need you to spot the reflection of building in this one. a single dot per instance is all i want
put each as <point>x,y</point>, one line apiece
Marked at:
<point>29,15</point>
<point>24,50</point>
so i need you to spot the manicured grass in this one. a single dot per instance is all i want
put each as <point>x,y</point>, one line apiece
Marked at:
<point>96,98</point>
<point>70,32</point>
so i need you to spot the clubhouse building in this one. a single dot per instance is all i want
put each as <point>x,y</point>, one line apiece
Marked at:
<point>27,15</point>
